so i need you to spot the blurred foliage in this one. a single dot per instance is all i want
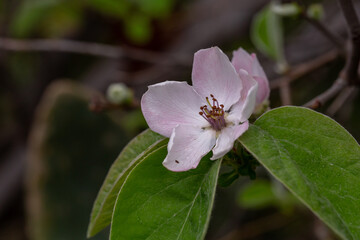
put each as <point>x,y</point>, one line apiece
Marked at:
<point>262,193</point>
<point>74,151</point>
<point>59,18</point>
<point>267,35</point>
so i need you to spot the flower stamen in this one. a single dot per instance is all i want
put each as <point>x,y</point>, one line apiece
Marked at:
<point>214,113</point>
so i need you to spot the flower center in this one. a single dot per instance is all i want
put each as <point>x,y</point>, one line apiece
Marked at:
<point>214,113</point>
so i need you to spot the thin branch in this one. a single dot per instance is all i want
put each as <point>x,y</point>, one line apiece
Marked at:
<point>350,72</point>
<point>285,94</point>
<point>349,75</point>
<point>340,100</point>
<point>302,69</point>
<point>338,42</point>
<point>319,101</point>
<point>94,49</point>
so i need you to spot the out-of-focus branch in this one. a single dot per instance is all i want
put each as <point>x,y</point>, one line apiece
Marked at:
<point>319,101</point>
<point>304,68</point>
<point>340,100</point>
<point>325,31</point>
<point>350,71</point>
<point>285,94</point>
<point>349,75</point>
<point>94,49</point>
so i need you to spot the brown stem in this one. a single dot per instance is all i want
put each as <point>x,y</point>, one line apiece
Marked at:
<point>302,69</point>
<point>350,72</point>
<point>340,100</point>
<point>327,95</point>
<point>94,49</point>
<point>325,31</point>
<point>285,94</point>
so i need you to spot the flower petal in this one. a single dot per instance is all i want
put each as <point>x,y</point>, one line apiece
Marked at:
<point>242,60</point>
<point>214,74</point>
<point>187,145</point>
<point>250,63</point>
<point>168,104</point>
<point>263,89</point>
<point>225,141</point>
<point>242,110</point>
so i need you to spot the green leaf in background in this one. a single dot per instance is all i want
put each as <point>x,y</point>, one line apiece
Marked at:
<point>262,193</point>
<point>61,20</point>
<point>52,18</point>
<point>70,150</point>
<point>257,194</point>
<point>29,14</point>
<point>138,28</point>
<point>156,8</point>
<point>316,158</point>
<point>157,204</point>
<point>267,35</point>
<point>114,8</point>
<point>131,155</point>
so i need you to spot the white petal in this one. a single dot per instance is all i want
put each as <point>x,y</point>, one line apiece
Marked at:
<point>168,104</point>
<point>187,145</point>
<point>214,74</point>
<point>225,141</point>
<point>242,110</point>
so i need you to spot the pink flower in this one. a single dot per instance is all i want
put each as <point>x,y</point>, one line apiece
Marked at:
<point>243,60</point>
<point>210,115</point>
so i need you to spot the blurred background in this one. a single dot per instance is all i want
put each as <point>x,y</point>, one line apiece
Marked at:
<point>60,130</point>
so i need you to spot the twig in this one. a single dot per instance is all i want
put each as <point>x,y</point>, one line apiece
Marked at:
<point>340,100</point>
<point>325,31</point>
<point>319,101</point>
<point>349,75</point>
<point>285,93</point>
<point>350,72</point>
<point>94,49</point>
<point>305,68</point>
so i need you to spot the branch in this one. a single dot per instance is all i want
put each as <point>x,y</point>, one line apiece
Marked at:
<point>340,100</point>
<point>349,75</point>
<point>94,49</point>
<point>350,72</point>
<point>319,101</point>
<point>302,69</point>
<point>285,94</point>
<point>325,31</point>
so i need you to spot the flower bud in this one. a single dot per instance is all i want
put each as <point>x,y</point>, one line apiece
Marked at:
<point>119,93</point>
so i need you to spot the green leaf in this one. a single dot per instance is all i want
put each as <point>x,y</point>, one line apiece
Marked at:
<point>267,34</point>
<point>156,203</point>
<point>29,15</point>
<point>130,156</point>
<point>226,179</point>
<point>316,159</point>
